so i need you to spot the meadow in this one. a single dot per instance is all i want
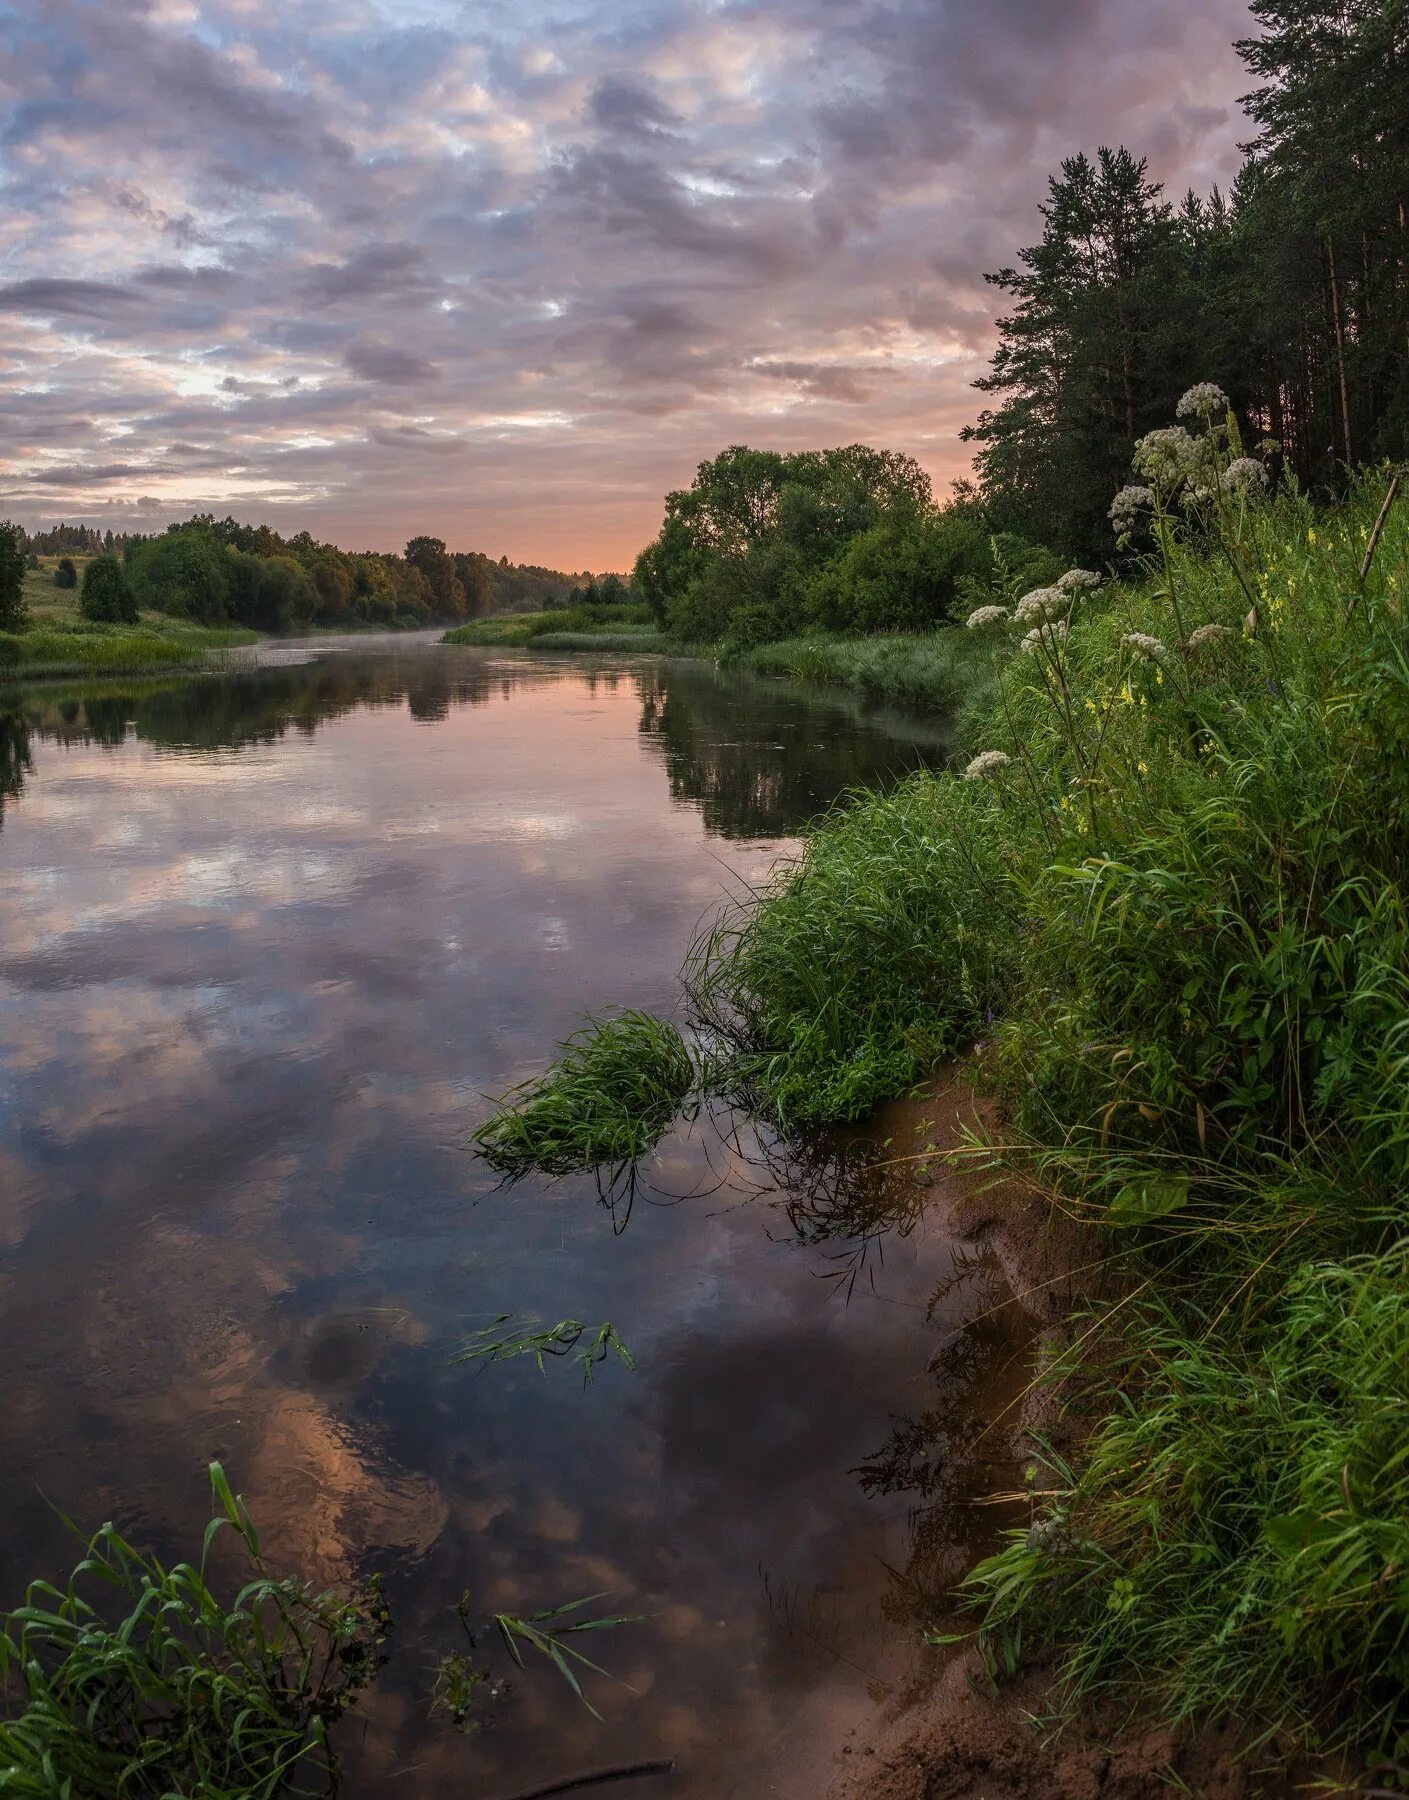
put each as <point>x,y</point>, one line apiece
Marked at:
<point>59,640</point>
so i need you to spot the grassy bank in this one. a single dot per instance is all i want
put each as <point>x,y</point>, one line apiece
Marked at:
<point>1171,895</point>
<point>83,648</point>
<point>943,671</point>
<point>510,630</point>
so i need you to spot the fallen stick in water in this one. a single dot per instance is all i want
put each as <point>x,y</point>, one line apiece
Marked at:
<point>662,1765</point>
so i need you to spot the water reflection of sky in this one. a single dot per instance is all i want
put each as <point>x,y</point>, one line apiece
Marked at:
<point>264,944</point>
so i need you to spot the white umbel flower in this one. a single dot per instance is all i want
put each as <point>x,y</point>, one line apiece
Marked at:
<point>987,764</point>
<point>1244,475</point>
<point>1144,645</point>
<point>1129,506</point>
<point>1075,580</point>
<point>1201,401</point>
<point>1044,637</point>
<point>1167,456</point>
<point>986,615</point>
<point>1040,604</point>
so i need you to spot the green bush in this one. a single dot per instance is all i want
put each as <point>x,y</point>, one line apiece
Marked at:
<point>106,598</point>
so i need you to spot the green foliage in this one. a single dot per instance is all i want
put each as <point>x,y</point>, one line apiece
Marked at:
<point>763,546</point>
<point>614,1091</point>
<point>188,1692</point>
<point>106,597</point>
<point>1238,1532</point>
<point>14,613</point>
<point>65,574</point>
<point>1289,292</point>
<point>113,650</point>
<point>493,1343</point>
<point>185,573</point>
<point>887,946</point>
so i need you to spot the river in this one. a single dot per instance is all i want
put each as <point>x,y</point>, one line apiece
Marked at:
<point>267,940</point>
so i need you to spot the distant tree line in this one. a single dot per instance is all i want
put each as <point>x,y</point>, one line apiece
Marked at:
<point>220,571</point>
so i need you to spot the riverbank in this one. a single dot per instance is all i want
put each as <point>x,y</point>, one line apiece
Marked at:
<point>81,648</point>
<point>944,671</point>
<point>1169,902</point>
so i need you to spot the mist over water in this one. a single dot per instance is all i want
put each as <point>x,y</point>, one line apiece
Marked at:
<point>267,939</point>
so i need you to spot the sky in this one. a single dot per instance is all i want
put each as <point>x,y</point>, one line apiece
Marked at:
<point>505,271</point>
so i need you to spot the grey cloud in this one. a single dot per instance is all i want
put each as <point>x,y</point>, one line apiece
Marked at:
<point>620,104</point>
<point>387,363</point>
<point>58,296</point>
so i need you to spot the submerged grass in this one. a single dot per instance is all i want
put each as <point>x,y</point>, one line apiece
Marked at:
<point>613,1093</point>
<point>1178,876</point>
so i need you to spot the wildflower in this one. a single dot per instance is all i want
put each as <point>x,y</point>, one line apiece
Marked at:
<point>987,763</point>
<point>1201,401</point>
<point>1041,604</point>
<point>1244,476</point>
<point>1167,456</point>
<point>1075,579</point>
<point>1046,636</point>
<point>1127,507</point>
<point>1208,634</point>
<point>1145,645</point>
<point>985,615</point>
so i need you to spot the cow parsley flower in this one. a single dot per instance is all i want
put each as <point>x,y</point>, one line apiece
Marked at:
<point>1046,636</point>
<point>1076,579</point>
<point>1201,401</point>
<point>1167,456</point>
<point>986,615</point>
<point>1128,507</point>
<point>1209,634</point>
<point>1040,604</point>
<point>1244,475</point>
<point>986,764</point>
<point>1144,645</point>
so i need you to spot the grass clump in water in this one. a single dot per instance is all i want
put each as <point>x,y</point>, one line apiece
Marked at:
<point>613,1093</point>
<point>187,1693</point>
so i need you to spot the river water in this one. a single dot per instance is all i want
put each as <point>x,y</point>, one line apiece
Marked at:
<point>267,940</point>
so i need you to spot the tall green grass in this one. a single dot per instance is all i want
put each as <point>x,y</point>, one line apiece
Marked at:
<point>140,1681</point>
<point>886,946</point>
<point>104,649</point>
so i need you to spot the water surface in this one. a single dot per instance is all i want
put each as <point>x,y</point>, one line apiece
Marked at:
<point>267,939</point>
